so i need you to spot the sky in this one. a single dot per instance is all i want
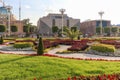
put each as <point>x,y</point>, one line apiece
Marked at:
<point>80,9</point>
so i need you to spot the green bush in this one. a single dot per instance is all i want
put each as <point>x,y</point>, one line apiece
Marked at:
<point>1,40</point>
<point>22,45</point>
<point>103,48</point>
<point>40,49</point>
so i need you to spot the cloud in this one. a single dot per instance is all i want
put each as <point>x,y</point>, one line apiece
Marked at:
<point>27,7</point>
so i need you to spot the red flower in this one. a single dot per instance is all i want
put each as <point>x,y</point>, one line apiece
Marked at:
<point>69,78</point>
<point>34,79</point>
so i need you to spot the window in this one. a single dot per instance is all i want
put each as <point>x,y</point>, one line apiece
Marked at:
<point>68,22</point>
<point>58,16</point>
<point>53,22</point>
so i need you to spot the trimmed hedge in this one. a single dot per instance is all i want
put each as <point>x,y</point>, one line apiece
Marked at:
<point>22,45</point>
<point>1,40</point>
<point>103,48</point>
<point>40,49</point>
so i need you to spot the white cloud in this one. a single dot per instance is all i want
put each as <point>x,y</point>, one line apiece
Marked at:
<point>27,7</point>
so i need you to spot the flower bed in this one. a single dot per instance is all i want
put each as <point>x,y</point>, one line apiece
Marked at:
<point>111,42</point>
<point>99,77</point>
<point>78,45</point>
<point>52,55</point>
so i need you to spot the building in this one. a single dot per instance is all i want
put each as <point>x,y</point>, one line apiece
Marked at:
<point>4,15</point>
<point>46,23</point>
<point>89,26</point>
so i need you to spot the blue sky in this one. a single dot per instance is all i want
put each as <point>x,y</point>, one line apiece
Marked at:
<point>81,9</point>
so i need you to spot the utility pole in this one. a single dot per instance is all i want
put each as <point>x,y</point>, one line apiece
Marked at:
<point>101,27</point>
<point>62,13</point>
<point>9,18</point>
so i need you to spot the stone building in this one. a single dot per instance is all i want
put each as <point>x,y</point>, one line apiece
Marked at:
<point>46,23</point>
<point>89,26</point>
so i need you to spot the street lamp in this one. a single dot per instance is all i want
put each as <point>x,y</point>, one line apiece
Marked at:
<point>101,14</point>
<point>9,16</point>
<point>62,12</point>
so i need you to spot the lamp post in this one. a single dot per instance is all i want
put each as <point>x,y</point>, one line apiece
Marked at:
<point>101,14</point>
<point>9,20</point>
<point>62,12</point>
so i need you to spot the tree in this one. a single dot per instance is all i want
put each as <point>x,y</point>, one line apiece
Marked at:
<point>32,29</point>
<point>59,32</point>
<point>74,28</point>
<point>14,28</point>
<point>26,27</point>
<point>107,31</point>
<point>72,34</point>
<point>98,30</point>
<point>55,29</point>
<point>114,29</point>
<point>2,28</point>
<point>1,40</point>
<point>40,49</point>
<point>26,21</point>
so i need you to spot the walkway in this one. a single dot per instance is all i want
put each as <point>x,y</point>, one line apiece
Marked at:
<point>16,52</point>
<point>62,48</point>
<point>79,55</point>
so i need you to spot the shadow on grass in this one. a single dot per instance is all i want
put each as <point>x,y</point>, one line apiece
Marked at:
<point>15,59</point>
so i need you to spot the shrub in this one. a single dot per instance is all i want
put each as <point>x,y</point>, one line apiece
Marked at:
<point>1,40</point>
<point>22,45</point>
<point>103,48</point>
<point>40,49</point>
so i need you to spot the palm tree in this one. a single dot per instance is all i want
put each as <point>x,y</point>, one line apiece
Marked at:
<point>71,33</point>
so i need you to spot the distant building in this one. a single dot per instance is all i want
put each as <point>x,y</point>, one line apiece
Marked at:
<point>89,27</point>
<point>46,23</point>
<point>13,21</point>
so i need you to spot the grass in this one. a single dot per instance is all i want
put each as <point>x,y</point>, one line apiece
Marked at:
<point>17,67</point>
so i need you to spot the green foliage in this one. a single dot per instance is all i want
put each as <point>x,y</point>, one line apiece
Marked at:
<point>26,28</point>
<point>60,32</point>
<point>71,33</point>
<point>21,45</point>
<point>1,40</point>
<point>14,28</point>
<point>55,29</point>
<point>114,29</point>
<point>33,28</point>
<point>2,28</point>
<point>98,30</point>
<point>17,67</point>
<point>74,28</point>
<point>40,49</point>
<point>103,48</point>
<point>107,29</point>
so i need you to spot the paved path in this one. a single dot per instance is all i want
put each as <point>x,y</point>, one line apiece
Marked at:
<point>62,48</point>
<point>16,52</point>
<point>80,55</point>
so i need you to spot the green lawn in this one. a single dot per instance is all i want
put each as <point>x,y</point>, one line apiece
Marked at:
<point>17,67</point>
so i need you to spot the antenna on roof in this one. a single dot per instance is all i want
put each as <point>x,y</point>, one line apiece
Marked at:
<point>19,10</point>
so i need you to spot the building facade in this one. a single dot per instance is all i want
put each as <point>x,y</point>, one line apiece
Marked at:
<point>89,27</point>
<point>4,14</point>
<point>46,23</point>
